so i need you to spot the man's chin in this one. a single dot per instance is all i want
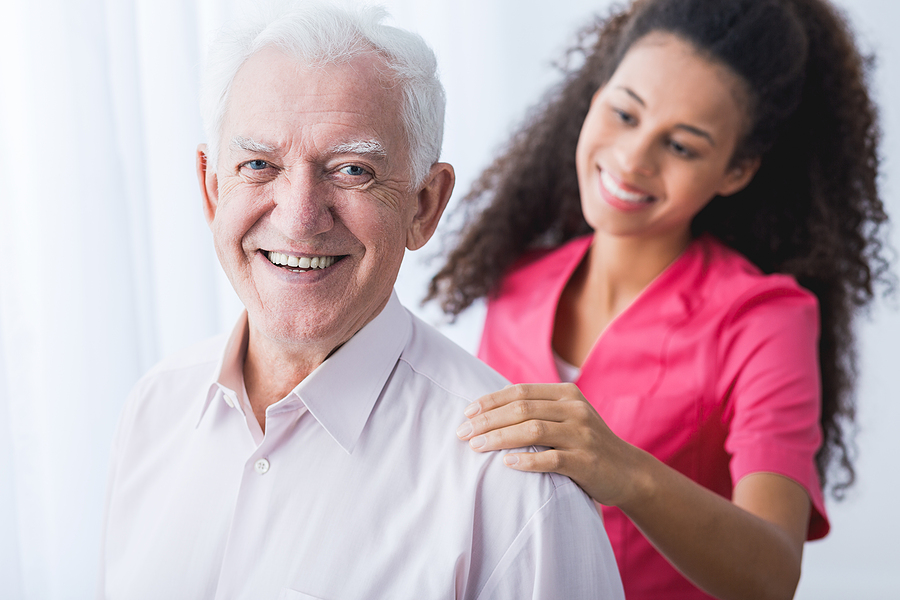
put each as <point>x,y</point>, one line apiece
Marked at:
<point>293,333</point>
<point>302,334</point>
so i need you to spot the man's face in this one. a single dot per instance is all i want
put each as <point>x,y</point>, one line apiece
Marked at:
<point>313,171</point>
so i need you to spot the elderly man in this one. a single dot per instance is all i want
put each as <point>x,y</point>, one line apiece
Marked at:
<point>312,453</point>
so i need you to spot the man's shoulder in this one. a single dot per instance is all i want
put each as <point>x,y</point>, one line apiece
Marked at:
<point>432,355</point>
<point>447,378</point>
<point>167,398</point>
<point>191,368</point>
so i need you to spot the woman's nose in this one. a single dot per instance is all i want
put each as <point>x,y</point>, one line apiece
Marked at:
<point>636,154</point>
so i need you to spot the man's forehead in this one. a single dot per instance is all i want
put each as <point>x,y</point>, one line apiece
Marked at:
<point>275,98</point>
<point>359,83</point>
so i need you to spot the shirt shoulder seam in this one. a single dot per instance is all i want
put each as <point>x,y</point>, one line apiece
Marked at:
<point>552,497</point>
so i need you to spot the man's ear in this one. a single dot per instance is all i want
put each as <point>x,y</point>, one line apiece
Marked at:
<point>739,176</point>
<point>209,185</point>
<point>431,201</point>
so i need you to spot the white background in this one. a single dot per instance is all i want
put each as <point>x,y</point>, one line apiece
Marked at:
<point>106,263</point>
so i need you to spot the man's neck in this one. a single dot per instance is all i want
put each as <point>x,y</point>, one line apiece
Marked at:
<point>271,373</point>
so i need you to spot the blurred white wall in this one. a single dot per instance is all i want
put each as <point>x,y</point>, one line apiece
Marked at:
<point>106,264</point>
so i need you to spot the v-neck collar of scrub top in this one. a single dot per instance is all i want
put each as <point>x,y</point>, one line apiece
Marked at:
<point>672,304</point>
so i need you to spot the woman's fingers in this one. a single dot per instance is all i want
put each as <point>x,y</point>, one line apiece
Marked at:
<point>523,391</point>
<point>548,461</point>
<point>579,444</point>
<point>514,413</point>
<point>557,416</point>
<point>529,433</point>
<point>526,403</point>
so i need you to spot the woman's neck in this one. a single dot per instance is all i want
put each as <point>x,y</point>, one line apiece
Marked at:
<point>619,268</point>
<point>612,275</point>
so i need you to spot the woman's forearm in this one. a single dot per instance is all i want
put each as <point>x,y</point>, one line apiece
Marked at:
<point>723,548</point>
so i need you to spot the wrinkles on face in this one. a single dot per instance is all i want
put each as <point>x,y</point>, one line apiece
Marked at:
<point>316,166</point>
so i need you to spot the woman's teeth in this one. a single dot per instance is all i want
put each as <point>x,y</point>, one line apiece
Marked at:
<point>301,262</point>
<point>624,195</point>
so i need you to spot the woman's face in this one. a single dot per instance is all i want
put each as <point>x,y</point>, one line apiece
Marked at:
<point>657,143</point>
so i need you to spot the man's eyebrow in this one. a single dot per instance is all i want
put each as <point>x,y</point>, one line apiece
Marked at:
<point>365,147</point>
<point>251,145</point>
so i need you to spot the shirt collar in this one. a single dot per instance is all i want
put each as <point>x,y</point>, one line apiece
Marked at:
<point>230,370</point>
<point>342,391</point>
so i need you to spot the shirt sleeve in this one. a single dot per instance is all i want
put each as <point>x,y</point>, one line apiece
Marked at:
<point>772,388</point>
<point>561,552</point>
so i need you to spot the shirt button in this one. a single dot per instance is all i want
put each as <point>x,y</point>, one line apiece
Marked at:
<point>229,401</point>
<point>262,466</point>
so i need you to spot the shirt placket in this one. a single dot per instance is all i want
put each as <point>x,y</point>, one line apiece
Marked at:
<point>262,477</point>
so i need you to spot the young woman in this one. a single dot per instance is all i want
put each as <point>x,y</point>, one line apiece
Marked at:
<point>683,232</point>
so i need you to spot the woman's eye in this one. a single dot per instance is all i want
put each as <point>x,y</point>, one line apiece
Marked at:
<point>353,170</point>
<point>681,150</point>
<point>623,116</point>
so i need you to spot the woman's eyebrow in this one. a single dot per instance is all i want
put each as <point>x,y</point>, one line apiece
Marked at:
<point>697,131</point>
<point>634,95</point>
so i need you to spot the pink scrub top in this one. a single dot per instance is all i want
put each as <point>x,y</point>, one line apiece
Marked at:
<point>713,369</point>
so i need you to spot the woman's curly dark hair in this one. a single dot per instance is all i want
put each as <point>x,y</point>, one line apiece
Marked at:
<point>812,210</point>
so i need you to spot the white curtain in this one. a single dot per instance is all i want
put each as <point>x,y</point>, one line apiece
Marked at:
<point>106,264</point>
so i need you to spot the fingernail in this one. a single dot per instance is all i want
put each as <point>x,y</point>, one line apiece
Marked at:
<point>511,459</point>
<point>471,410</point>
<point>477,442</point>
<point>464,429</point>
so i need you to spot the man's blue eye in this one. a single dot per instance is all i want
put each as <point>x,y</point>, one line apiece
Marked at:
<point>257,165</point>
<point>353,170</point>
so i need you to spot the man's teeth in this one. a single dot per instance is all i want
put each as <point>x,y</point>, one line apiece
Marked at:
<point>301,262</point>
<point>613,187</point>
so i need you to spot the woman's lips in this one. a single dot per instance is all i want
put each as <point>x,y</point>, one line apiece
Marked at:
<point>619,196</point>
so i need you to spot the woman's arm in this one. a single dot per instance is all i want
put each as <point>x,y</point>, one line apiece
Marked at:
<point>750,547</point>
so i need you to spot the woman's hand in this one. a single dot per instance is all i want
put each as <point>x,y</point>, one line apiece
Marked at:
<point>750,548</point>
<point>558,416</point>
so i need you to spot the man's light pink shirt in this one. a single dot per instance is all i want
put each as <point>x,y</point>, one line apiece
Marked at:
<point>358,489</point>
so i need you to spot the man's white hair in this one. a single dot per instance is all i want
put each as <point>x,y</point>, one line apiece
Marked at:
<point>320,33</point>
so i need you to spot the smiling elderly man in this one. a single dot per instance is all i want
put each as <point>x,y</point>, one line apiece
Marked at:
<point>312,453</point>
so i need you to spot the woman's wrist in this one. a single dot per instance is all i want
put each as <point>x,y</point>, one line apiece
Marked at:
<point>638,479</point>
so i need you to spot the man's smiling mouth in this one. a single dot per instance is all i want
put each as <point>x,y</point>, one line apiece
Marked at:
<point>301,262</point>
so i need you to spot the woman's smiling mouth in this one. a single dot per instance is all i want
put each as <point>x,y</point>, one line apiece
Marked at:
<point>618,192</point>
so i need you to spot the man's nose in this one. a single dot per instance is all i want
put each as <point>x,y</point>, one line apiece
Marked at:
<point>303,207</point>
